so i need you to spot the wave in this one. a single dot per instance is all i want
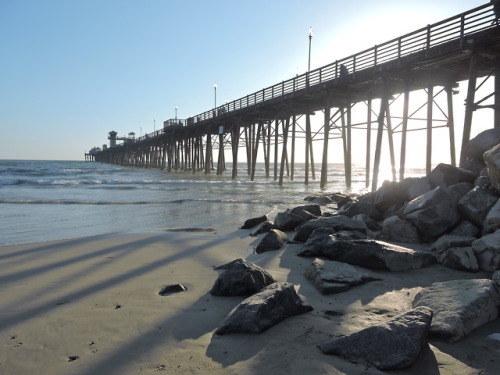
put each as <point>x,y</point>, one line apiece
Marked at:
<point>119,203</point>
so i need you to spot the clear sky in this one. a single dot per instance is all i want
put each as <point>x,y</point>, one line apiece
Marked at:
<point>73,70</point>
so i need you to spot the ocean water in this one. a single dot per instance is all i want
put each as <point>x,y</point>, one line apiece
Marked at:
<point>50,200</point>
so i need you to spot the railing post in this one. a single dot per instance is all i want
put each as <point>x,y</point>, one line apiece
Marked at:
<point>462,30</point>
<point>428,39</point>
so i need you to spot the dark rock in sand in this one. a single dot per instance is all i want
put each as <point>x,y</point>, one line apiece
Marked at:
<point>365,253</point>
<point>492,159</point>
<point>487,250</point>
<point>459,306</point>
<point>273,240</point>
<point>460,258</point>
<point>240,278</point>
<point>264,228</point>
<point>448,241</point>
<point>171,289</point>
<point>306,210</point>
<point>263,310</point>
<point>475,205</point>
<point>349,235</point>
<point>365,205</point>
<point>391,194</point>
<point>286,221</point>
<point>337,222</point>
<point>368,222</point>
<point>433,213</point>
<point>250,223</point>
<point>388,346</point>
<point>398,230</point>
<point>334,277</point>
<point>446,175</point>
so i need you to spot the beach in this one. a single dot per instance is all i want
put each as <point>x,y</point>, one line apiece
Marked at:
<point>90,305</point>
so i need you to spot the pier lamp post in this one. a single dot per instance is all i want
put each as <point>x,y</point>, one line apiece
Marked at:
<point>310,35</point>
<point>215,95</point>
<point>175,113</point>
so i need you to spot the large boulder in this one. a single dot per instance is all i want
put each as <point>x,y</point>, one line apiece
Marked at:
<point>487,250</point>
<point>364,205</point>
<point>492,159</point>
<point>240,278</point>
<point>334,277</point>
<point>398,230</point>
<point>287,221</point>
<point>250,223</point>
<point>433,213</point>
<point>448,241</point>
<point>387,346</point>
<point>476,204</point>
<point>460,258</point>
<point>306,210</point>
<point>273,240</point>
<point>391,194</point>
<point>263,310</point>
<point>459,306</point>
<point>492,220</point>
<point>337,223</point>
<point>477,146</point>
<point>446,175</point>
<point>466,229</point>
<point>365,253</point>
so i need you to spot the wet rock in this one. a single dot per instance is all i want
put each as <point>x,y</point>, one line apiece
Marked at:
<point>171,289</point>
<point>349,235</point>
<point>365,253</point>
<point>273,240</point>
<point>459,306</point>
<point>334,277</point>
<point>264,228</point>
<point>365,205</point>
<point>398,230</point>
<point>433,213</point>
<point>250,223</point>
<point>492,159</point>
<point>487,250</point>
<point>387,346</point>
<point>306,210</point>
<point>240,278</point>
<point>287,221</point>
<point>460,258</point>
<point>476,204</point>
<point>263,310</point>
<point>337,222</point>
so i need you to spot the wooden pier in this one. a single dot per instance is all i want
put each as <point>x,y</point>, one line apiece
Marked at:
<point>269,123</point>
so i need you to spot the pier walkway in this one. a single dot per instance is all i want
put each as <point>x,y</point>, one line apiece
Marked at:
<point>273,121</point>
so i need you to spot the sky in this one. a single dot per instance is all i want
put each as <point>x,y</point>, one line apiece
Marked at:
<point>73,70</point>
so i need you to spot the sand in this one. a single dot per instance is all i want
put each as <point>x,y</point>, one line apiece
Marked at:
<point>91,306</point>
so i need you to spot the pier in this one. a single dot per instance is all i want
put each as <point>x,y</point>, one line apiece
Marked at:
<point>270,124</point>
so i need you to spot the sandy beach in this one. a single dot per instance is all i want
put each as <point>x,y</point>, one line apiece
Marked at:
<point>91,306</point>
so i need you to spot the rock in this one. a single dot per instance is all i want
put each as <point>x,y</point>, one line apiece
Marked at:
<point>492,159</point>
<point>459,306</point>
<point>263,310</point>
<point>433,213</point>
<point>418,187</point>
<point>349,235</point>
<point>457,191</point>
<point>492,220</point>
<point>391,194</point>
<point>273,240</point>
<point>313,209</point>
<point>334,277</point>
<point>477,146</point>
<point>365,205</point>
<point>171,289</point>
<point>476,204</point>
<point>460,258</point>
<point>240,278</point>
<point>387,346</point>
<point>365,253</point>
<point>483,182</point>
<point>337,222</point>
<point>473,165</point>
<point>323,200</point>
<point>264,228</point>
<point>398,230</point>
<point>250,223</point>
<point>496,278</point>
<point>368,222</point>
<point>286,221</point>
<point>465,229</point>
<point>448,241</point>
<point>446,175</point>
<point>487,250</point>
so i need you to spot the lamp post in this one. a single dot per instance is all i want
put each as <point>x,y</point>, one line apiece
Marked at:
<point>215,95</point>
<point>175,113</point>
<point>310,34</point>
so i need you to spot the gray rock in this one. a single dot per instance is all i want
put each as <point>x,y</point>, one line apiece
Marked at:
<point>388,346</point>
<point>418,187</point>
<point>334,277</point>
<point>264,228</point>
<point>349,235</point>
<point>465,229</point>
<point>492,220</point>
<point>476,204</point>
<point>457,191</point>
<point>365,253</point>
<point>250,223</point>
<point>391,194</point>
<point>286,221</point>
<point>368,222</point>
<point>487,250</point>
<point>459,306</point>
<point>460,258</point>
<point>263,310</point>
<point>273,240</point>
<point>398,230</point>
<point>446,175</point>
<point>448,241</point>
<point>483,182</point>
<point>477,146</point>
<point>240,278</point>
<point>171,289</point>
<point>473,165</point>
<point>433,213</point>
<point>492,159</point>
<point>496,278</point>
<point>337,222</point>
<point>364,205</point>
<point>314,209</point>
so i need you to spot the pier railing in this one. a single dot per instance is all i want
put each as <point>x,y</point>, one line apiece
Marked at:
<point>455,28</point>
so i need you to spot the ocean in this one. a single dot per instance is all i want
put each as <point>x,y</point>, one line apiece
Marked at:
<point>51,200</point>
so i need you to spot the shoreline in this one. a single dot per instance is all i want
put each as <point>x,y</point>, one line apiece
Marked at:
<point>91,306</point>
